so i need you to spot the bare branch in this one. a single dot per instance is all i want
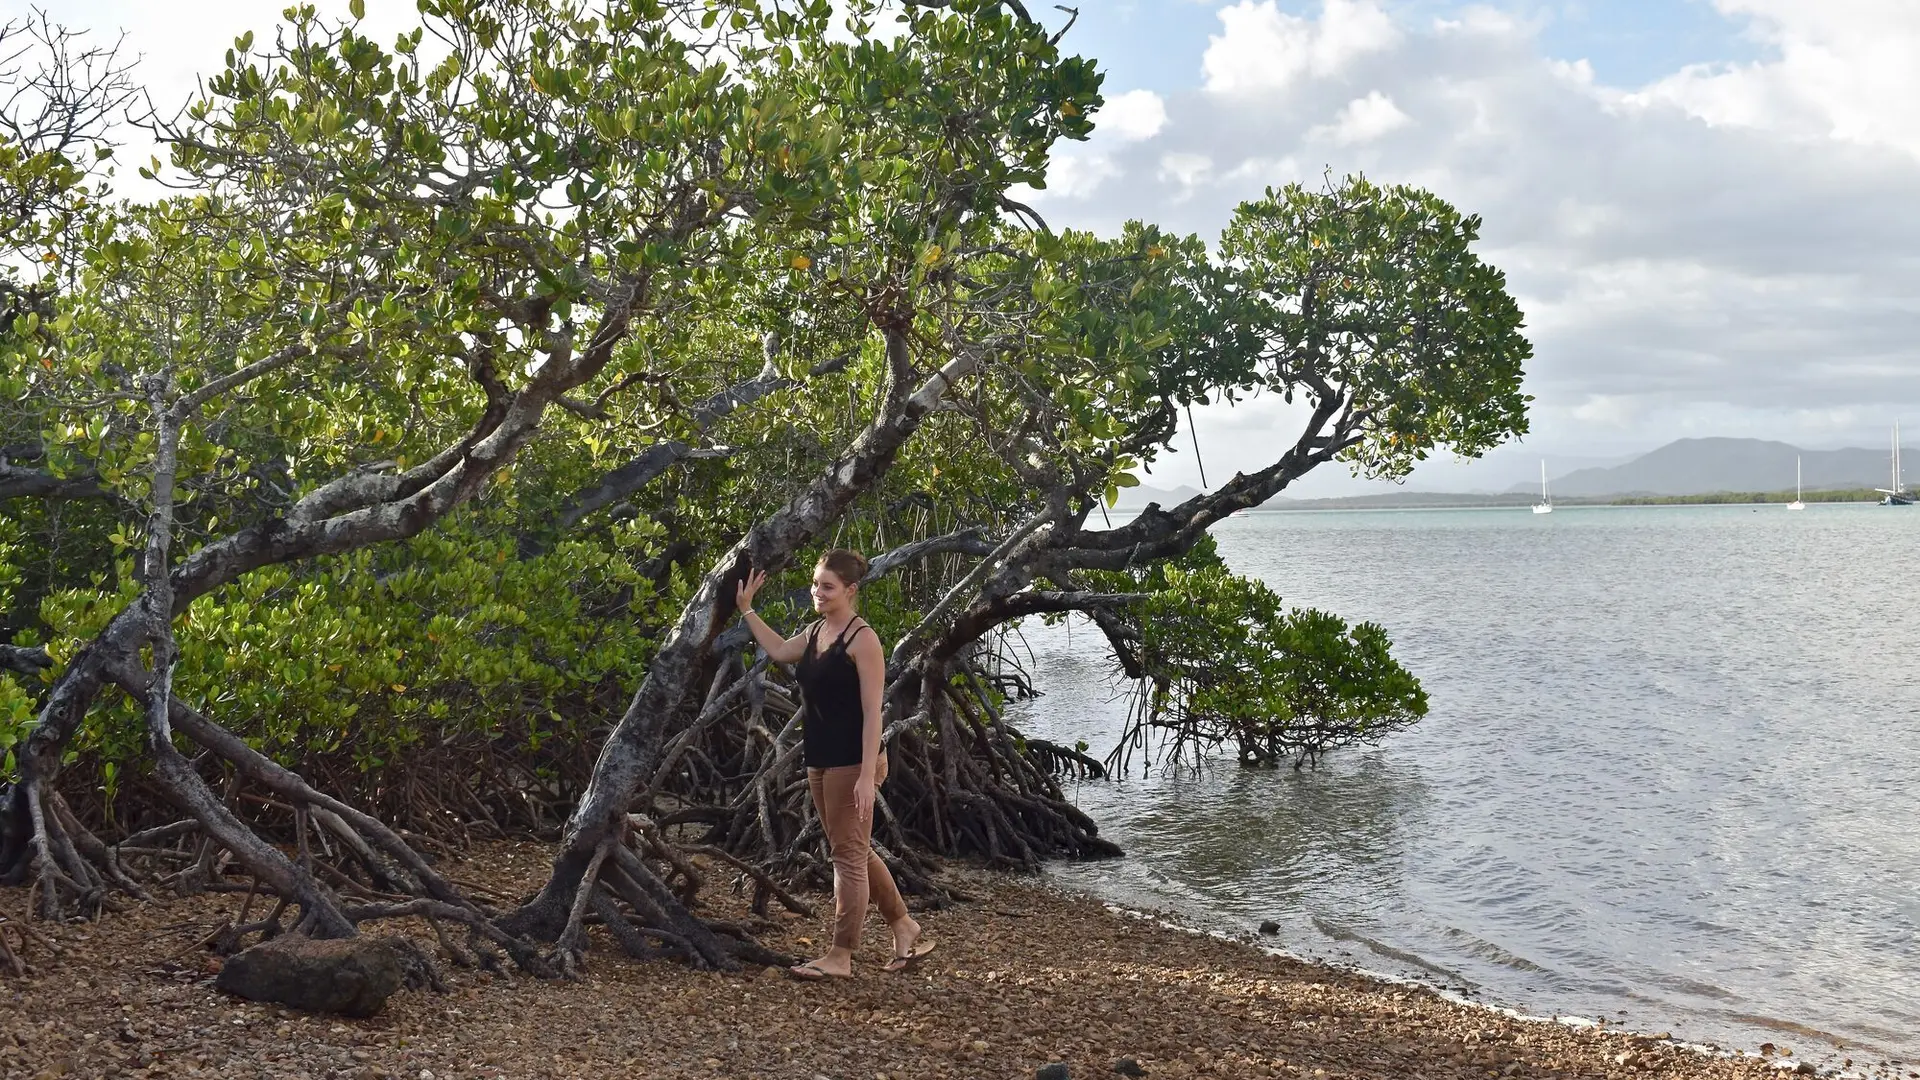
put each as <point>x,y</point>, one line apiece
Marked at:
<point>983,617</point>
<point>964,589</point>
<point>969,541</point>
<point>190,403</point>
<point>18,483</point>
<point>22,660</point>
<point>658,458</point>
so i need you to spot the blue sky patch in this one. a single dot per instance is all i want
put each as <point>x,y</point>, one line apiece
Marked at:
<point>1157,44</point>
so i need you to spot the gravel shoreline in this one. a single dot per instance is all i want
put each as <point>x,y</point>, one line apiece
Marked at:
<point>1024,976</point>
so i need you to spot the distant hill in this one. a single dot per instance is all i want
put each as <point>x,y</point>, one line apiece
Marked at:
<point>1684,467</point>
<point>1704,466</point>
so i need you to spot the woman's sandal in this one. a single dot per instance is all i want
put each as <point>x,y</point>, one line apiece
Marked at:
<point>911,959</point>
<point>813,972</point>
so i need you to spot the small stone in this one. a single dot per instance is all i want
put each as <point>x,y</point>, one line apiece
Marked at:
<point>1805,1068</point>
<point>1126,1066</point>
<point>979,1046</point>
<point>1268,926</point>
<point>1053,1070</point>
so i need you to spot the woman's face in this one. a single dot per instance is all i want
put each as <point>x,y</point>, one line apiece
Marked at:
<point>829,592</point>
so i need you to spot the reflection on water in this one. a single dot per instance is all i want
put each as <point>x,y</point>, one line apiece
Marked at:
<point>1278,832</point>
<point>1668,774</point>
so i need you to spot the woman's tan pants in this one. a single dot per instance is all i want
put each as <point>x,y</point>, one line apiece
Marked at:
<point>859,877</point>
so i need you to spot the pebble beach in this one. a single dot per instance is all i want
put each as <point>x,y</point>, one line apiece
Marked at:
<point>1027,981</point>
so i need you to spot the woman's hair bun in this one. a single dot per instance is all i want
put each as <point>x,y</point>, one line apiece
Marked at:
<point>847,565</point>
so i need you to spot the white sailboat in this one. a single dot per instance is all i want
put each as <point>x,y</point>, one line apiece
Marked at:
<point>1897,495</point>
<point>1545,505</point>
<point>1796,504</point>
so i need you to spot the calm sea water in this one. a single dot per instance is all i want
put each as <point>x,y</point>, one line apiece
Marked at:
<point>1671,775</point>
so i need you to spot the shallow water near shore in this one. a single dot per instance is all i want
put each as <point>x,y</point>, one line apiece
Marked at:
<point>1671,776</point>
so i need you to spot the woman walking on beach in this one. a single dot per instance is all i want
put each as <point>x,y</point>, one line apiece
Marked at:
<point>842,671</point>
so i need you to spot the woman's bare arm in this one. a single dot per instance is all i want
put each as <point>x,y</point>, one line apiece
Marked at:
<point>782,650</point>
<point>871,662</point>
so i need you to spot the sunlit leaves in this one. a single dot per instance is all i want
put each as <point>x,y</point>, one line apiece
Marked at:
<point>414,221</point>
<point>1375,293</point>
<point>1229,665</point>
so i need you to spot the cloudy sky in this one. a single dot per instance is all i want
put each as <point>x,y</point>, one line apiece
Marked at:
<point>1707,208</point>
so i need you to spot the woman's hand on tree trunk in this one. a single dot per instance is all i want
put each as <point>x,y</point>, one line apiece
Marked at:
<point>743,592</point>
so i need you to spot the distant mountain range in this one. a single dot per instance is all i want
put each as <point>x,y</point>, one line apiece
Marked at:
<point>1684,467</point>
<point>1706,466</point>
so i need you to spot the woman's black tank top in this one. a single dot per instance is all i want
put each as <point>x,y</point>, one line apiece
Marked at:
<point>831,716</point>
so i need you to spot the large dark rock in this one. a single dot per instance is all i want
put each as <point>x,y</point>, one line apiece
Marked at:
<point>352,976</point>
<point>1056,1070</point>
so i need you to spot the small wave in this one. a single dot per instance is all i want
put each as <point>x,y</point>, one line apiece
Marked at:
<point>1689,986</point>
<point>1774,1023</point>
<point>1487,950</point>
<point>1341,933</point>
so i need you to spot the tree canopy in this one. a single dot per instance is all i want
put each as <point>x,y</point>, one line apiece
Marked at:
<point>388,481</point>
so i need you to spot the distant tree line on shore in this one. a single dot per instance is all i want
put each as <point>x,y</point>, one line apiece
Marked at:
<point>1424,500</point>
<point>1718,498</point>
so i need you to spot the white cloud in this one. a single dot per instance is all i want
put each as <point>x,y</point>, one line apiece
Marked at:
<point>1726,251</point>
<point>1846,69</point>
<point>1077,176</point>
<point>1362,120</point>
<point>1480,19</point>
<point>1608,410</point>
<point>1262,170</point>
<point>1262,48</point>
<point>1188,170</point>
<point>1134,115</point>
